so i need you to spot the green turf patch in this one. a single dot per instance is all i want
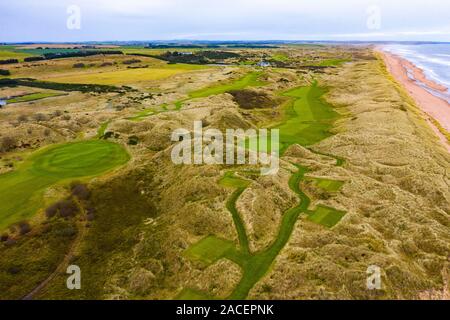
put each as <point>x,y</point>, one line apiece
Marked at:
<point>280,57</point>
<point>326,216</point>
<point>21,190</point>
<point>7,52</point>
<point>333,62</point>
<point>102,129</point>
<point>328,184</point>
<point>33,97</point>
<point>307,119</point>
<point>231,181</point>
<point>209,250</point>
<point>249,80</point>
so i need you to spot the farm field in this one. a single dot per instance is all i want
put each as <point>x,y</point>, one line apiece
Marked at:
<point>126,76</point>
<point>10,54</point>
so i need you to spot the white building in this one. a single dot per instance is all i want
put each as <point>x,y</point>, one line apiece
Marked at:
<point>263,64</point>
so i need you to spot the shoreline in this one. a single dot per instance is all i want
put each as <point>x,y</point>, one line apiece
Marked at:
<point>437,109</point>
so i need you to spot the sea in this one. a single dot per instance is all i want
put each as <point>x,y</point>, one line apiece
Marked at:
<point>433,59</point>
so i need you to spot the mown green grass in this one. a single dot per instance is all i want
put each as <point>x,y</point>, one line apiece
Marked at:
<point>314,117</point>
<point>326,216</point>
<point>33,97</point>
<point>21,190</point>
<point>231,181</point>
<point>254,265</point>
<point>280,57</point>
<point>328,184</point>
<point>209,250</point>
<point>11,54</point>
<point>333,62</point>
<point>249,80</point>
<point>101,130</point>
<point>307,119</point>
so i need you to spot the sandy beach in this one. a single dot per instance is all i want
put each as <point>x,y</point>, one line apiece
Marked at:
<point>435,107</point>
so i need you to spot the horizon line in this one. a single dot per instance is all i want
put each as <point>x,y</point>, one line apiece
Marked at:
<point>223,41</point>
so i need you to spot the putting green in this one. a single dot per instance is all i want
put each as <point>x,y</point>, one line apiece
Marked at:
<point>21,190</point>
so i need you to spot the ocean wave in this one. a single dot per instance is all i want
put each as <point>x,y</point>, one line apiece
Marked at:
<point>434,61</point>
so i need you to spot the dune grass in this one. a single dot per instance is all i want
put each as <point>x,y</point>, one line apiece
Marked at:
<point>33,97</point>
<point>21,190</point>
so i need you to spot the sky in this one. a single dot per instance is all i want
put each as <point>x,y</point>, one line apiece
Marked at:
<point>128,20</point>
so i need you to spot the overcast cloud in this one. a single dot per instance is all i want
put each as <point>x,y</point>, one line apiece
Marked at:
<point>46,20</point>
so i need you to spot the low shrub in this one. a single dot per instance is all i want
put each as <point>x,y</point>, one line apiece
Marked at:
<point>33,59</point>
<point>51,211</point>
<point>7,143</point>
<point>80,191</point>
<point>9,61</point>
<point>4,237</point>
<point>67,208</point>
<point>132,61</point>
<point>24,227</point>
<point>39,117</point>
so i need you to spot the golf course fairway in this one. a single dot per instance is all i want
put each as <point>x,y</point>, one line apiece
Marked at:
<point>308,117</point>
<point>21,190</point>
<point>251,79</point>
<point>307,121</point>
